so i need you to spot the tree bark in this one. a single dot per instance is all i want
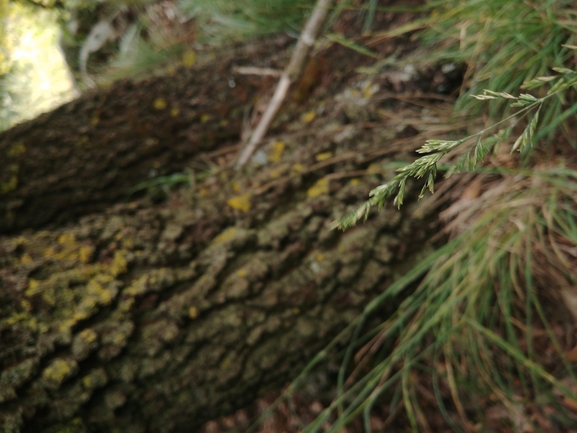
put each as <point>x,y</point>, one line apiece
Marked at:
<point>87,154</point>
<point>159,317</point>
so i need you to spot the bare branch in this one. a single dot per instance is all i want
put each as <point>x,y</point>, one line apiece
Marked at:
<point>290,74</point>
<point>252,70</point>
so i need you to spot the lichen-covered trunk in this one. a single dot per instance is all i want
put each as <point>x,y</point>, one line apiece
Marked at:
<point>158,317</point>
<point>89,153</point>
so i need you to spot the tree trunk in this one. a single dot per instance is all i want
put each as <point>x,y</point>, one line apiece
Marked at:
<point>161,317</point>
<point>87,154</point>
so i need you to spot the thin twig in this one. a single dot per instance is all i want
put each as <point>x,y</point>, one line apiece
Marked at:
<point>290,74</point>
<point>253,70</point>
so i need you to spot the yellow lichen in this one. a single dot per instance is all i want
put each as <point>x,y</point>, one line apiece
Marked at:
<point>49,253</point>
<point>205,118</point>
<point>225,363</point>
<point>174,112</point>
<point>193,312</point>
<point>276,173</point>
<point>48,296</point>
<point>235,186</point>
<point>319,257</point>
<point>188,58</point>
<point>88,335</point>
<point>277,151</point>
<point>225,236</point>
<point>26,259</point>
<point>127,243</point>
<point>119,339</point>
<point>355,182</point>
<point>119,264</point>
<point>323,156</point>
<point>66,239</point>
<point>319,188</point>
<point>296,169</point>
<point>18,318</point>
<point>85,253</point>
<point>97,294</point>
<point>66,325</point>
<point>159,104</point>
<point>10,185</point>
<point>33,287</point>
<point>68,248</point>
<point>241,202</point>
<point>308,117</point>
<point>16,149</point>
<point>138,287</point>
<point>59,370</point>
<point>84,310</point>
<point>87,381</point>
<point>374,168</point>
<point>126,305</point>
<point>241,273</point>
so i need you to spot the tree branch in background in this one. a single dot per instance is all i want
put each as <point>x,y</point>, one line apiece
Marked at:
<point>290,74</point>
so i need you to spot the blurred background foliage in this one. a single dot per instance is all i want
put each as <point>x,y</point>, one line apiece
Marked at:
<point>53,50</point>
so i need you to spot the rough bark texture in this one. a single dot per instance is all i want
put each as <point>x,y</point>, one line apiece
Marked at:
<point>87,154</point>
<point>160,317</point>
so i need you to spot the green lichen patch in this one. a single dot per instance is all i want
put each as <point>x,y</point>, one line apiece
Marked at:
<point>100,291</point>
<point>226,236</point>
<point>119,264</point>
<point>157,334</point>
<point>58,371</point>
<point>236,287</point>
<point>12,183</point>
<point>115,399</point>
<point>114,337</point>
<point>280,228</point>
<point>153,281</point>
<point>12,377</point>
<point>16,149</point>
<point>83,343</point>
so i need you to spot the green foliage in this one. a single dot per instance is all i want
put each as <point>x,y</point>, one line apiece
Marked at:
<point>479,144</point>
<point>225,20</point>
<point>149,44</point>
<point>469,328</point>
<point>163,184</point>
<point>503,43</point>
<point>468,331</point>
